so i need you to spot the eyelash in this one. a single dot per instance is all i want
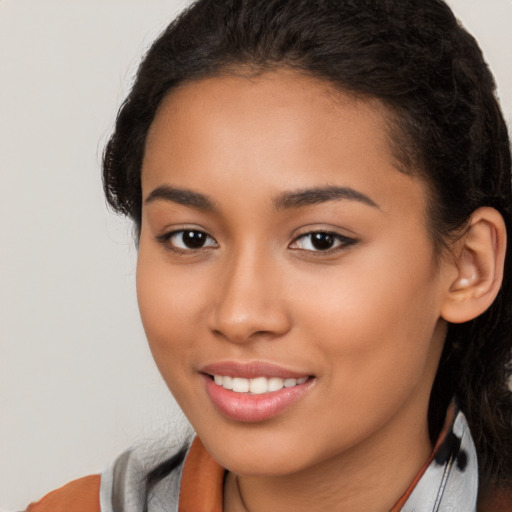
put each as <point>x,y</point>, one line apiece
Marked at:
<point>341,242</point>
<point>167,240</point>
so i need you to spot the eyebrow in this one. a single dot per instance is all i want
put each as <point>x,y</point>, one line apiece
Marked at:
<point>286,200</point>
<point>181,196</point>
<point>318,195</point>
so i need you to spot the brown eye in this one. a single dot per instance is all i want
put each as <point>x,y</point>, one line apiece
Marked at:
<point>187,240</point>
<point>193,239</point>
<point>321,241</point>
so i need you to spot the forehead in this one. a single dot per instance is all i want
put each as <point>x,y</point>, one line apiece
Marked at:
<point>280,128</point>
<point>265,99</point>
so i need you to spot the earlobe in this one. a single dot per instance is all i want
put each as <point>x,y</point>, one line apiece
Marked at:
<point>479,261</point>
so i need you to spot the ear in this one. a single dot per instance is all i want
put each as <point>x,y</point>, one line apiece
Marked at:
<point>479,258</point>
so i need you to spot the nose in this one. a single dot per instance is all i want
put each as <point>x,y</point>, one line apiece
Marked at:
<point>249,300</point>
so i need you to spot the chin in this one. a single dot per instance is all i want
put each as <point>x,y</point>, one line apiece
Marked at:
<point>254,454</point>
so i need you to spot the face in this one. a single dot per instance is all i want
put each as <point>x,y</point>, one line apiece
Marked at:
<point>286,278</point>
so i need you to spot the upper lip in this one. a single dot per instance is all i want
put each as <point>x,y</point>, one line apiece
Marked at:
<point>251,370</point>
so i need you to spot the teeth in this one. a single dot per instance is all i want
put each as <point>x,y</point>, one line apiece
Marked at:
<point>227,382</point>
<point>257,385</point>
<point>289,383</point>
<point>240,385</point>
<point>275,384</point>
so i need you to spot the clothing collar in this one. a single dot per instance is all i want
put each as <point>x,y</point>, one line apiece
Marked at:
<point>450,482</point>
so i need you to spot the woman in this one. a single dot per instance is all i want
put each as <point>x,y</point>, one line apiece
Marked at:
<point>321,194</point>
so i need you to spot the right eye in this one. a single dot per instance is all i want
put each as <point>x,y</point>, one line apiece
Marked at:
<point>185,240</point>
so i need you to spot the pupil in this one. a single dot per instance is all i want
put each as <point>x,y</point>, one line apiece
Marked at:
<point>193,239</point>
<point>322,241</point>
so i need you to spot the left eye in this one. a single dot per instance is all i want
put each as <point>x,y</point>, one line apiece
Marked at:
<point>188,240</point>
<point>321,241</point>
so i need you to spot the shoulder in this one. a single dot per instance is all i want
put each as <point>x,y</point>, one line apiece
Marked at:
<point>124,485</point>
<point>82,495</point>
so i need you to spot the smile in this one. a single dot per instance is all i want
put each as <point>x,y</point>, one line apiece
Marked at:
<point>256,386</point>
<point>255,399</point>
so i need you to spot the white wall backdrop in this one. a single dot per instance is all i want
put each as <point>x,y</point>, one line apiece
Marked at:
<point>77,383</point>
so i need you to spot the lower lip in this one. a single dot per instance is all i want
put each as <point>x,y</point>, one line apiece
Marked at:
<point>249,408</point>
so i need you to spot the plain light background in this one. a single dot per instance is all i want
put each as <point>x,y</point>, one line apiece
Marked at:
<point>77,383</point>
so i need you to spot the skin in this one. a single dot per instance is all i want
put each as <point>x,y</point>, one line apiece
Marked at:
<point>364,318</point>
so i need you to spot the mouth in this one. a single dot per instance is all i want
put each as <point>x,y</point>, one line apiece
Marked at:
<point>254,392</point>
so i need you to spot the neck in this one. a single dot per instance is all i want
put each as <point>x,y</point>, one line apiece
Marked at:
<point>370,477</point>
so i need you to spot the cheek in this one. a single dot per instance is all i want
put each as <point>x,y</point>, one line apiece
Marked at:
<point>170,305</point>
<point>374,327</point>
